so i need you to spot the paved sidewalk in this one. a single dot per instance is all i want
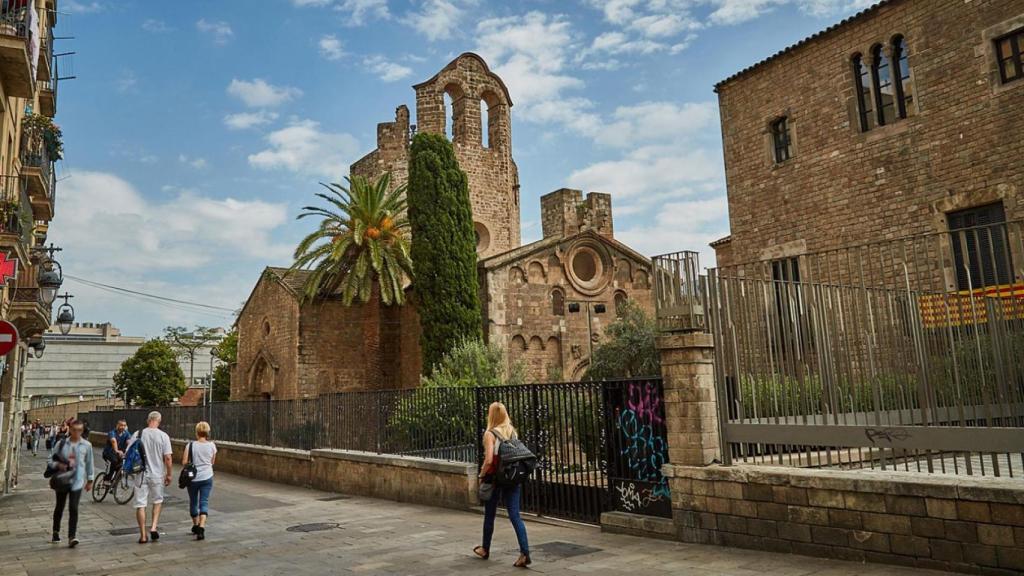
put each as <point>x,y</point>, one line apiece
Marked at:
<point>248,535</point>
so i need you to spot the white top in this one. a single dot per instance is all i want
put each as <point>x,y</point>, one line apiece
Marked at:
<point>202,457</point>
<point>157,444</point>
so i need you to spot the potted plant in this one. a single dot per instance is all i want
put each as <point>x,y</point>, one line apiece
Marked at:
<point>42,131</point>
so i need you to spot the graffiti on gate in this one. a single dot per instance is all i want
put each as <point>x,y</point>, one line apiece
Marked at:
<point>644,450</point>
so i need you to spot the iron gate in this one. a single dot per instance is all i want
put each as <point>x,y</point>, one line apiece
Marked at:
<point>600,446</point>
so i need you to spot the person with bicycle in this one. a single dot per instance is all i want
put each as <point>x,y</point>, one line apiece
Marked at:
<point>113,452</point>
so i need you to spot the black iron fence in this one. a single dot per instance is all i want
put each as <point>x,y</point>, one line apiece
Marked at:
<point>600,445</point>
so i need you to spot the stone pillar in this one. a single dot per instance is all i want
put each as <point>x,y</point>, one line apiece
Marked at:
<point>691,410</point>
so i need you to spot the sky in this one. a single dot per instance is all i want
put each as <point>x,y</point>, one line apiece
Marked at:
<point>196,131</point>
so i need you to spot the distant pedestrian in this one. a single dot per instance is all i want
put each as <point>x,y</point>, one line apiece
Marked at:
<point>202,453</point>
<point>70,470</point>
<point>500,429</point>
<point>156,446</point>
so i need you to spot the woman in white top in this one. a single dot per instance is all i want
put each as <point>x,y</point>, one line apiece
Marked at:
<point>203,453</point>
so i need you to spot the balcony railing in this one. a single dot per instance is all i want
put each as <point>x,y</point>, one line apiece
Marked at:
<point>14,19</point>
<point>15,208</point>
<point>16,35</point>
<point>35,154</point>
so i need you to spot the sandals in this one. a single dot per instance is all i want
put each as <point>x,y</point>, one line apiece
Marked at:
<point>482,553</point>
<point>154,535</point>
<point>523,561</point>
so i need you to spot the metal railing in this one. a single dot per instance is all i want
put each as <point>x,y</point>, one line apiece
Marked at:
<point>35,153</point>
<point>679,292</point>
<point>13,203</point>
<point>14,19</point>
<point>905,355</point>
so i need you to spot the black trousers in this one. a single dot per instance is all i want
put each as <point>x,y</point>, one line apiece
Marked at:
<point>58,512</point>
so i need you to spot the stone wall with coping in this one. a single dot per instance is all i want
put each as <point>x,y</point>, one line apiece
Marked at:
<point>965,524</point>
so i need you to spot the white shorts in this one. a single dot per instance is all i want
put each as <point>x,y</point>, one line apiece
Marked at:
<point>149,491</point>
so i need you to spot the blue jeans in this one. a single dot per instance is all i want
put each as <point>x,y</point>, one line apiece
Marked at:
<point>199,497</point>
<point>511,497</point>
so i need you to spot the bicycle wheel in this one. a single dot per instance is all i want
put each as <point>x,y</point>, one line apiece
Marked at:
<point>124,489</point>
<point>99,488</point>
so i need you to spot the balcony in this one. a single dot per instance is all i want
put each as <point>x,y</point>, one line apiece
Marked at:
<point>37,170</point>
<point>45,63</point>
<point>15,45</point>
<point>15,217</point>
<point>47,97</point>
<point>27,313</point>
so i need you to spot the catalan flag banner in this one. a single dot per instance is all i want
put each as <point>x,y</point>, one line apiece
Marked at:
<point>966,307</point>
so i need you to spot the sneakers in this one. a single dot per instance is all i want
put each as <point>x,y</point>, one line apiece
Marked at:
<point>55,539</point>
<point>73,543</point>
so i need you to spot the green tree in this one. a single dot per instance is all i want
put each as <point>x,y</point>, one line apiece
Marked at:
<point>443,249</point>
<point>361,244</point>
<point>627,349</point>
<point>472,363</point>
<point>187,344</point>
<point>151,376</point>
<point>227,352</point>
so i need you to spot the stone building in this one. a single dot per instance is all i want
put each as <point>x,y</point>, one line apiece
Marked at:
<point>546,303</point>
<point>904,119</point>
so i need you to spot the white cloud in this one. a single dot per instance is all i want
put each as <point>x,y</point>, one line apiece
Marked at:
<point>258,93</point>
<point>385,69</point>
<point>196,162</point>
<point>657,122</point>
<point>76,7</point>
<point>529,52</point>
<point>141,235</point>
<point>330,47</point>
<point>303,148</point>
<point>155,26</point>
<point>649,170</point>
<point>127,82</point>
<point>220,31</point>
<point>244,120</point>
<point>361,11</point>
<point>436,19</point>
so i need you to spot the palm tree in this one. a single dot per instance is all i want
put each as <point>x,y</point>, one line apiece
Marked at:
<point>362,240</point>
<point>360,252</point>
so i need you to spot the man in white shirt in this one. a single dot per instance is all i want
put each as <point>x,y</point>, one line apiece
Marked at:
<point>157,446</point>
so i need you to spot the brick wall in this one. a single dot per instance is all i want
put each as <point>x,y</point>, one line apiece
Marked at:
<point>958,148</point>
<point>268,330</point>
<point>973,525</point>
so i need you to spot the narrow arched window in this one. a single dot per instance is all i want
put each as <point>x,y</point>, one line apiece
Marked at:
<point>781,144</point>
<point>449,117</point>
<point>885,92</point>
<point>862,83</point>
<point>485,133</point>
<point>557,303</point>
<point>904,87</point>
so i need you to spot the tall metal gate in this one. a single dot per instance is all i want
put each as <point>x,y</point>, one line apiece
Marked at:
<point>600,445</point>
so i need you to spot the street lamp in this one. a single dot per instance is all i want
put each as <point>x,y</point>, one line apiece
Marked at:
<point>50,278</point>
<point>37,346</point>
<point>65,314</point>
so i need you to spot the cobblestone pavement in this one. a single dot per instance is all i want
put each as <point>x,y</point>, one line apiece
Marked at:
<point>248,535</point>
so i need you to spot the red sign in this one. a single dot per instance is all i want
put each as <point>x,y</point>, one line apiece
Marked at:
<point>8,337</point>
<point>8,269</point>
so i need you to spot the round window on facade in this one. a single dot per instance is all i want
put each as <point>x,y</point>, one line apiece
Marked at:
<point>584,265</point>
<point>483,237</point>
<point>266,328</point>
<point>587,269</point>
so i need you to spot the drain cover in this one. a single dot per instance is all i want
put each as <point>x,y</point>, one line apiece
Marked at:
<point>315,527</point>
<point>333,498</point>
<point>123,531</point>
<point>565,549</point>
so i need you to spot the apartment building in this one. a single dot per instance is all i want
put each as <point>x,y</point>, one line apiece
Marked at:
<point>30,145</point>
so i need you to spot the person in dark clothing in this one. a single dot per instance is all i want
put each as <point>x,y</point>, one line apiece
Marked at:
<point>73,453</point>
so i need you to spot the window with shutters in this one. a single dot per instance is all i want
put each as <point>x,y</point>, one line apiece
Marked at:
<point>980,247</point>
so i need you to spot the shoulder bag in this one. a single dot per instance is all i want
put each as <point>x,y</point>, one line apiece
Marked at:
<point>188,471</point>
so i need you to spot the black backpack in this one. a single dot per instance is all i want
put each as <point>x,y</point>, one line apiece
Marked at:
<point>515,462</point>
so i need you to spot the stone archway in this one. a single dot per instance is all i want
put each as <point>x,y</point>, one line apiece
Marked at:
<point>262,378</point>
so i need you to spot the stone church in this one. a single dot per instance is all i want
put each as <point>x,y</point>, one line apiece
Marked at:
<point>546,303</point>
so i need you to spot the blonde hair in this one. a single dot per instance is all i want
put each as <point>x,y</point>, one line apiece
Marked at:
<point>498,420</point>
<point>203,430</point>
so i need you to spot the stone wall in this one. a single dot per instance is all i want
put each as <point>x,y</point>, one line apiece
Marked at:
<point>843,186</point>
<point>973,525</point>
<point>268,335</point>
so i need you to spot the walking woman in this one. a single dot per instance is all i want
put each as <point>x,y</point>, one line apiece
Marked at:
<point>499,429</point>
<point>71,460</point>
<point>203,453</point>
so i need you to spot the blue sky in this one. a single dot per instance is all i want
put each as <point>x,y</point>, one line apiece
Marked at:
<point>195,131</point>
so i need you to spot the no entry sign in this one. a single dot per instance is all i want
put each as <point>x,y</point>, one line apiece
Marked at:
<point>8,337</point>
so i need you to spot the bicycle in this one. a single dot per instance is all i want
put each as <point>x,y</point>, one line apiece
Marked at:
<point>121,485</point>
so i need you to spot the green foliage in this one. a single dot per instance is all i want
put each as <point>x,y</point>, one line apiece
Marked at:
<point>443,249</point>
<point>440,412</point>
<point>41,130</point>
<point>472,363</point>
<point>627,349</point>
<point>222,383</point>
<point>362,241</point>
<point>227,349</point>
<point>151,376</point>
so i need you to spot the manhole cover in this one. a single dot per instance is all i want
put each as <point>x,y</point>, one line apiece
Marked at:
<point>565,549</point>
<point>333,498</point>
<point>123,531</point>
<point>315,527</point>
